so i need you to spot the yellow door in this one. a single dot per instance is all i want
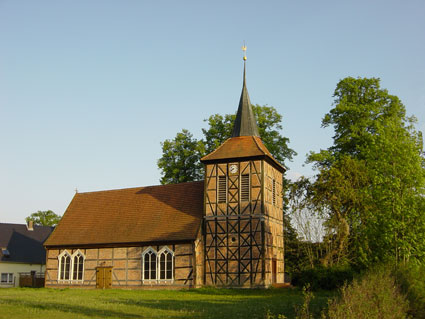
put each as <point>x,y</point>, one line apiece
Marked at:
<point>103,277</point>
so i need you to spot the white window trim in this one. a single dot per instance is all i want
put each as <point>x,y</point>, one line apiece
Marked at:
<point>158,258</point>
<point>153,251</point>
<point>165,249</point>
<point>65,252</point>
<point>76,253</point>
<point>71,267</point>
<point>9,279</point>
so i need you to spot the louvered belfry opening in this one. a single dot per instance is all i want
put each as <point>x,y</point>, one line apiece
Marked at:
<point>245,188</point>
<point>222,189</point>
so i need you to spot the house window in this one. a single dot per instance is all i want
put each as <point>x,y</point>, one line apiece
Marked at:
<point>245,188</point>
<point>149,264</point>
<point>71,268</point>
<point>221,189</point>
<point>159,266</point>
<point>64,266</point>
<point>78,266</point>
<point>274,192</point>
<point>5,252</point>
<point>166,264</point>
<point>6,278</point>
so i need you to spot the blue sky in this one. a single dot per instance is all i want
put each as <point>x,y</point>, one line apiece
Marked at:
<point>89,89</point>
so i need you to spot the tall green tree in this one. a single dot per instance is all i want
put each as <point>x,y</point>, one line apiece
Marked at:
<point>372,178</point>
<point>44,218</point>
<point>180,161</point>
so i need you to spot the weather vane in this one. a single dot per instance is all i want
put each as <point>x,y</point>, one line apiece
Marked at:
<point>244,51</point>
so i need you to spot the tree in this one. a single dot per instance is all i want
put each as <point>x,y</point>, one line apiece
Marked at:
<point>180,161</point>
<point>44,218</point>
<point>371,181</point>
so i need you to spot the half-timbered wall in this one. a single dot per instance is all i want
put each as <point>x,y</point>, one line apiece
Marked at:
<point>243,238</point>
<point>233,229</point>
<point>126,263</point>
<point>273,210</point>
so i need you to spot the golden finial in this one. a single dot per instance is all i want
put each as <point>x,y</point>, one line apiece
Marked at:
<point>244,51</point>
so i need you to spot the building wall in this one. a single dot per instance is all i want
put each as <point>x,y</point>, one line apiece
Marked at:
<point>16,268</point>
<point>234,230</point>
<point>126,263</point>
<point>273,212</point>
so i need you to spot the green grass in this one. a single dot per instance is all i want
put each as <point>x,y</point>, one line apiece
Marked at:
<point>195,303</point>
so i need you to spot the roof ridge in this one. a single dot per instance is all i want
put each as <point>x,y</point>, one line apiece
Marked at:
<point>137,187</point>
<point>258,146</point>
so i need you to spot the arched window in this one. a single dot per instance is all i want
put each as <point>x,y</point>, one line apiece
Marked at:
<point>77,266</point>
<point>64,266</point>
<point>149,264</point>
<point>166,264</point>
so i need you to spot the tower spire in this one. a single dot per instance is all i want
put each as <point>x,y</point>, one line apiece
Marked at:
<point>245,123</point>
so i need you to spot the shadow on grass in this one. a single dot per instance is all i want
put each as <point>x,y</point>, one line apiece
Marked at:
<point>208,303</point>
<point>74,309</point>
<point>222,303</point>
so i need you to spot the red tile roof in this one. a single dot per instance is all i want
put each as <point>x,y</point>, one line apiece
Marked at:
<point>241,147</point>
<point>143,214</point>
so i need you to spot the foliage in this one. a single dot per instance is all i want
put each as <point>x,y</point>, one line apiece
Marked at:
<point>209,303</point>
<point>294,256</point>
<point>327,278</point>
<point>180,161</point>
<point>370,183</point>
<point>375,295</point>
<point>44,218</point>
<point>304,311</point>
<point>411,280</point>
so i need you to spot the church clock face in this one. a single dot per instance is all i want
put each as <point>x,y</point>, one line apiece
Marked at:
<point>233,169</point>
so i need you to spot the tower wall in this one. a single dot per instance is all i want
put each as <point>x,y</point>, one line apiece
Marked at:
<point>234,229</point>
<point>242,238</point>
<point>273,211</point>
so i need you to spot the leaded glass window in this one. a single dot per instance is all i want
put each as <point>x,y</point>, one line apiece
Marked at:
<point>166,265</point>
<point>65,266</point>
<point>149,264</point>
<point>78,266</point>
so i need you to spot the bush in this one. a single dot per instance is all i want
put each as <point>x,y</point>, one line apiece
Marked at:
<point>412,283</point>
<point>323,278</point>
<point>375,295</point>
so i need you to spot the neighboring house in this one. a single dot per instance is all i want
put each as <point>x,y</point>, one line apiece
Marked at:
<point>22,251</point>
<point>224,231</point>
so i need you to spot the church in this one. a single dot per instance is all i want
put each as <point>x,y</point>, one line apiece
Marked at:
<point>224,231</point>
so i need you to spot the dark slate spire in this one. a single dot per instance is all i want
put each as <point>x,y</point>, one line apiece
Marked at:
<point>245,123</point>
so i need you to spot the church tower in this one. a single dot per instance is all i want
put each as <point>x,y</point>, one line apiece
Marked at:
<point>243,207</point>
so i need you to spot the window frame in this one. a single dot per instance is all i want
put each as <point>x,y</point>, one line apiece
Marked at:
<point>165,251</point>
<point>75,254</point>
<point>151,252</point>
<point>60,256</point>
<point>71,278</point>
<point>9,278</point>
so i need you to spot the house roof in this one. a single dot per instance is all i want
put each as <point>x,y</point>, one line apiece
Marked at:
<point>132,215</point>
<point>239,148</point>
<point>245,123</point>
<point>23,245</point>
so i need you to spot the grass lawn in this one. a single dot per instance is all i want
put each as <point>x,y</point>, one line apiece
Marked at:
<point>44,303</point>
